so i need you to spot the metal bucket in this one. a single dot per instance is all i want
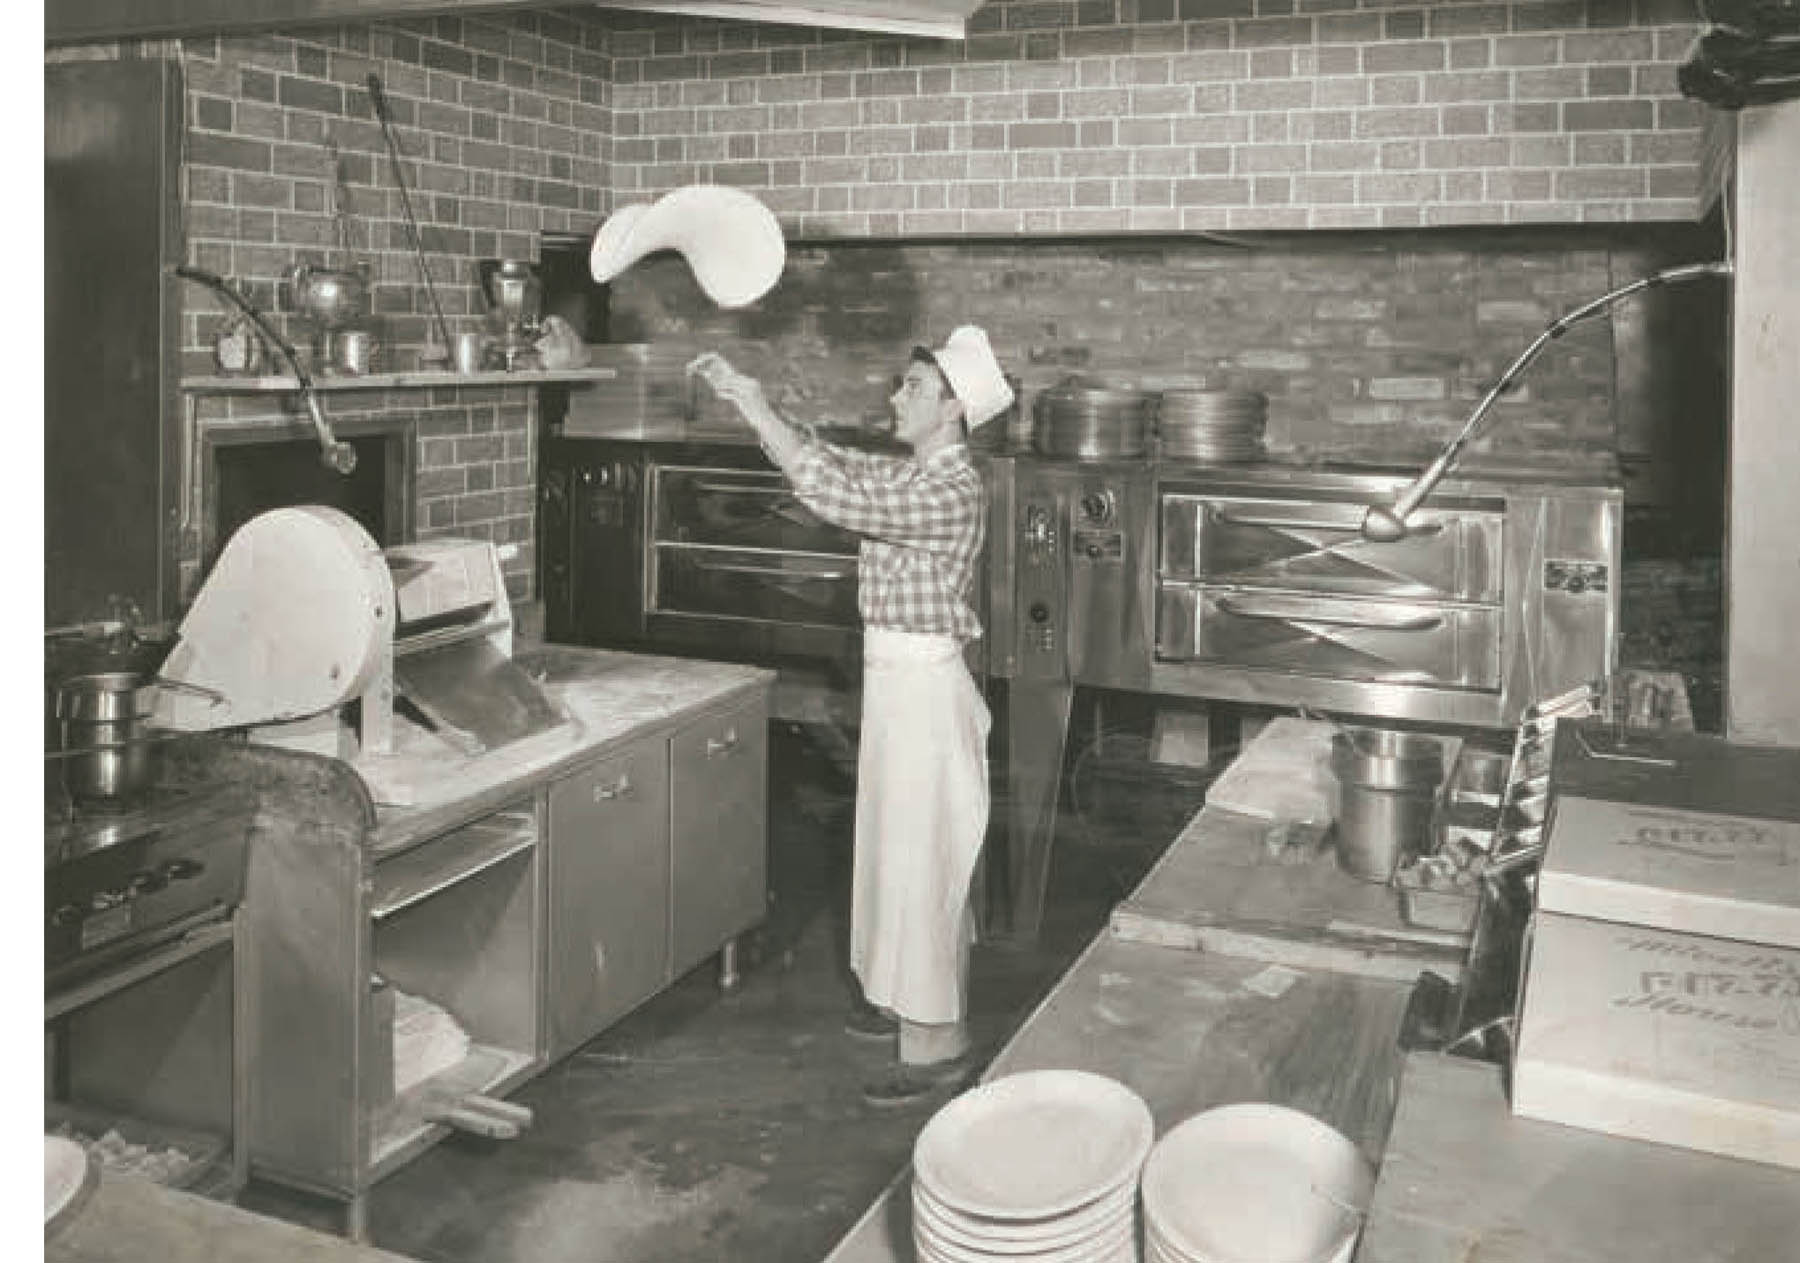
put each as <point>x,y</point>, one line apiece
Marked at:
<point>107,753</point>
<point>1387,789</point>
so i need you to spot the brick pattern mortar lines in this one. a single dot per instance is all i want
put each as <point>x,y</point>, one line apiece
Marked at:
<point>1175,115</point>
<point>504,125</point>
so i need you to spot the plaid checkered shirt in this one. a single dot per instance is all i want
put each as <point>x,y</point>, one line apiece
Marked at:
<point>922,523</point>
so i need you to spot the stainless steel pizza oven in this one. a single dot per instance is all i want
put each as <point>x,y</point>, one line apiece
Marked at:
<point>1255,585</point>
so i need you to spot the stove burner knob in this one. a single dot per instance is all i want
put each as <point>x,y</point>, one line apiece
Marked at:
<point>1097,507</point>
<point>145,881</point>
<point>66,914</point>
<point>1039,612</point>
<point>180,869</point>
<point>102,900</point>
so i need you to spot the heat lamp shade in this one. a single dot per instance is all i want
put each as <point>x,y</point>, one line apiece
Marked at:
<point>731,241</point>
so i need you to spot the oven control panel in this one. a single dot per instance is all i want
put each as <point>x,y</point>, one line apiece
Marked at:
<point>1080,532</point>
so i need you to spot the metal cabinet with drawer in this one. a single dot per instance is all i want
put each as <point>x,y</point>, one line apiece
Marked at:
<point>609,892</point>
<point>718,782</point>
<point>658,858</point>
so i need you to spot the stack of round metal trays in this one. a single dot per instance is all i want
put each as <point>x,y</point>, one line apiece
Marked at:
<point>1213,426</point>
<point>1093,422</point>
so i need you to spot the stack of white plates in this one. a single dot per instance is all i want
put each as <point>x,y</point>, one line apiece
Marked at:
<point>1213,426</point>
<point>1254,1183</point>
<point>1041,1166</point>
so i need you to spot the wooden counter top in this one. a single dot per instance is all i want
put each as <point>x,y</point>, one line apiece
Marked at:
<point>130,1220</point>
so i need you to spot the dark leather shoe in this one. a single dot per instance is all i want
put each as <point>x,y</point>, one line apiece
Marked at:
<point>903,1083</point>
<point>868,1022</point>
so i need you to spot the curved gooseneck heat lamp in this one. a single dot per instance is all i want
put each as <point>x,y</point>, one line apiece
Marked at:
<point>1385,524</point>
<point>333,452</point>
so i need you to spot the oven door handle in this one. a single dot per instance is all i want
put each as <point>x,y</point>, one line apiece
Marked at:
<point>1400,623</point>
<point>751,489</point>
<point>773,572</point>
<point>1228,518</point>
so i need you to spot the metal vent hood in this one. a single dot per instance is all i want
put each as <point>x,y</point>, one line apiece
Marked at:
<point>83,21</point>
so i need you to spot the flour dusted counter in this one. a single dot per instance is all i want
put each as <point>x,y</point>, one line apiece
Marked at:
<point>414,963</point>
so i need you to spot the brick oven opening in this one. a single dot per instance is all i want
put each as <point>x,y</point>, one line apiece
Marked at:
<point>252,471</point>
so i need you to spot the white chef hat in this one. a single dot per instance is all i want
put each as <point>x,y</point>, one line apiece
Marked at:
<point>730,240</point>
<point>968,364</point>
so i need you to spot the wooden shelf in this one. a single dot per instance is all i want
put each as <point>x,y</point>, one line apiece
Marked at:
<point>419,379</point>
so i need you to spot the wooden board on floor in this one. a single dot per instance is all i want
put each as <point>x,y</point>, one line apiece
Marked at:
<point>1463,1179</point>
<point>1217,889</point>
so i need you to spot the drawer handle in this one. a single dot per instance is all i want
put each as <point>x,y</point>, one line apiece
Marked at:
<point>716,746</point>
<point>1307,524</point>
<point>620,788</point>
<point>777,572</point>
<point>1400,623</point>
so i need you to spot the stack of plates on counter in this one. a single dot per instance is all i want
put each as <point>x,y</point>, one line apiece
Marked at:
<point>1213,426</point>
<point>1040,1166</point>
<point>1254,1183</point>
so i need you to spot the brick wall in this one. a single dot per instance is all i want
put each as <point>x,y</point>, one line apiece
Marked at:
<point>503,124</point>
<point>1370,346</point>
<point>1060,116</point>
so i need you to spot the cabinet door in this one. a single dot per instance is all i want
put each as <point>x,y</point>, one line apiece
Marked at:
<point>609,892</point>
<point>719,783</point>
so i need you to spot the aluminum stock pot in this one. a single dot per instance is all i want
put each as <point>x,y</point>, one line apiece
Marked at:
<point>107,755</point>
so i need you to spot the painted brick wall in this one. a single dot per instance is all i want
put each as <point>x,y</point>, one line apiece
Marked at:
<point>1104,115</point>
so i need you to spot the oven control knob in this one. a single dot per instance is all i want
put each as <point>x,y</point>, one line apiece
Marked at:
<point>102,900</point>
<point>67,914</point>
<point>1039,612</point>
<point>180,869</point>
<point>1097,507</point>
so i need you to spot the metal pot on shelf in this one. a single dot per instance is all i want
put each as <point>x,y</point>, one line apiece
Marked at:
<point>108,750</point>
<point>107,756</point>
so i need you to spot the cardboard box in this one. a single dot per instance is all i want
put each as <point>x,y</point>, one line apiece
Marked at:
<point>1696,872</point>
<point>1677,1038</point>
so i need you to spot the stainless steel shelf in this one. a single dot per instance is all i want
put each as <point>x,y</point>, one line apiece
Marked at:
<point>405,1126</point>
<point>79,995</point>
<point>413,876</point>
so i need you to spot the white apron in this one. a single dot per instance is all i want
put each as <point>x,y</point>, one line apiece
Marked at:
<point>921,812</point>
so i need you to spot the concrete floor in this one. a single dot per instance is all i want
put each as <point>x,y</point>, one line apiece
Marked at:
<point>710,1127</point>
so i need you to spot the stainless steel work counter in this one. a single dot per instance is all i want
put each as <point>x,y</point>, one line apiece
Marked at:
<point>611,697</point>
<point>1189,1030</point>
<point>131,1220</point>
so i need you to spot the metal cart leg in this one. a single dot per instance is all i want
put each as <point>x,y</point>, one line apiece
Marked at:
<point>729,977</point>
<point>356,1219</point>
